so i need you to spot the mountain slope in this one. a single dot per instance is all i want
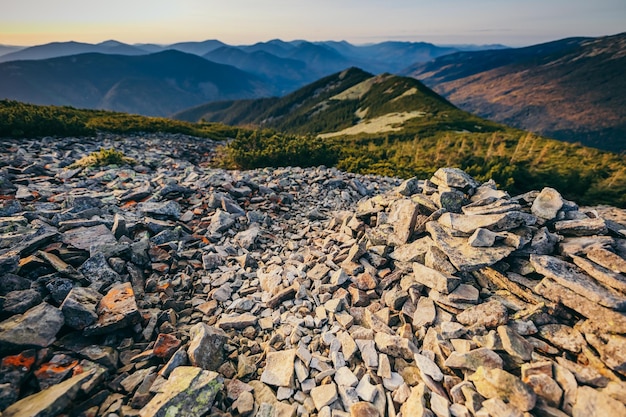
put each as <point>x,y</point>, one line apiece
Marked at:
<point>573,90</point>
<point>59,49</point>
<point>284,74</point>
<point>156,85</point>
<point>347,103</point>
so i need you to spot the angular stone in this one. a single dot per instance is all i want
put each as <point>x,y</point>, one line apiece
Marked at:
<point>363,409</point>
<point>324,395</point>
<point>546,388</point>
<point>344,376</point>
<point>547,204</point>
<point>279,368</point>
<point>221,221</point>
<point>498,408</point>
<point>496,383</point>
<point>482,238</point>
<point>395,346</point>
<point>166,209</point>
<point>369,355</point>
<point>435,279</point>
<point>602,317</point>
<point>37,327</point>
<point>84,237</point>
<point>515,345</point>
<point>116,310</point>
<point>490,314</point>
<point>593,403</point>
<point>238,322</point>
<point>607,259</point>
<point>571,277</point>
<point>412,252</point>
<point>605,276</point>
<point>403,215</point>
<point>189,391</point>
<point>97,271</point>
<point>454,178</point>
<point>49,402</point>
<point>244,403</point>
<point>18,302</point>
<point>428,367</point>
<point>206,347</point>
<point>415,405</point>
<point>79,307</point>
<point>563,337</point>
<point>166,345</point>
<point>474,359</point>
<point>582,227</point>
<point>463,256</point>
<point>468,224</point>
<point>365,390</point>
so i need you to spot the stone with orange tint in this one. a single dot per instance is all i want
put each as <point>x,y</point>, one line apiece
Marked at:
<point>166,345</point>
<point>116,310</point>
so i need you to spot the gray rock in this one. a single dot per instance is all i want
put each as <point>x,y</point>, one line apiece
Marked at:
<point>97,270</point>
<point>166,209</point>
<point>324,395</point>
<point>37,327</point>
<point>491,315</point>
<point>454,178</point>
<point>468,224</point>
<point>474,359</point>
<point>582,227</point>
<point>18,302</point>
<point>79,307</point>
<point>206,347</point>
<point>571,277</point>
<point>547,204</point>
<point>593,403</point>
<point>395,346</point>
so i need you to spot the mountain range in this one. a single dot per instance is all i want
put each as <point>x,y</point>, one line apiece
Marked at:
<point>157,84</point>
<point>572,89</point>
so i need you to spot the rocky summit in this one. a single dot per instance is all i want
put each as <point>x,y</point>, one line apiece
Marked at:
<point>169,288</point>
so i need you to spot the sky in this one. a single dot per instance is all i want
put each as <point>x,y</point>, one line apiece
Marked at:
<point>509,22</point>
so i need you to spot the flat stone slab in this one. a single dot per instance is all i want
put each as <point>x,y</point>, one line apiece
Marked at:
<point>573,278</point>
<point>468,223</point>
<point>279,369</point>
<point>435,279</point>
<point>37,327</point>
<point>116,310</point>
<point>189,391</point>
<point>463,256</point>
<point>84,237</point>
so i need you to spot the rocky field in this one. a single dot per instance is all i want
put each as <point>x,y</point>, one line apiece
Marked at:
<point>168,288</point>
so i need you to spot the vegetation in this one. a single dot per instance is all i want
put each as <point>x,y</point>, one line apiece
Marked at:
<point>21,120</point>
<point>103,157</point>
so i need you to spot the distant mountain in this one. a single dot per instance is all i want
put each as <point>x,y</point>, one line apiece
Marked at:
<point>347,103</point>
<point>284,74</point>
<point>156,84</point>
<point>573,89</point>
<point>196,48</point>
<point>7,49</point>
<point>59,49</point>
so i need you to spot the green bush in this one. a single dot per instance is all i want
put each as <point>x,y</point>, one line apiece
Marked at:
<point>103,157</point>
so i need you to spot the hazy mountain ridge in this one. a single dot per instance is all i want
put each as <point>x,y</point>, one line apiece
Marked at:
<point>156,84</point>
<point>573,90</point>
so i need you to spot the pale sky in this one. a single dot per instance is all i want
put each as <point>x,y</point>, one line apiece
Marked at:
<point>510,22</point>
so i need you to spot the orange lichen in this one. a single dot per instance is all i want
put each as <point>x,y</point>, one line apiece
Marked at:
<point>23,360</point>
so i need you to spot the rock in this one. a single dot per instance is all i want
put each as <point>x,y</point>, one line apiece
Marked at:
<point>497,383</point>
<point>403,215</point>
<point>469,223</point>
<point>49,402</point>
<point>279,369</point>
<point>206,347</point>
<point>116,310</point>
<point>238,322</point>
<point>415,405</point>
<point>515,345</point>
<point>547,204</point>
<point>498,408</point>
<point>363,409</point>
<point>592,403</point>
<point>18,302</point>
<point>188,391</point>
<point>395,346</point>
<point>79,307</point>
<point>563,337</point>
<point>572,278</point>
<point>581,227</point>
<point>491,314</point>
<point>37,327</point>
<point>425,313</point>
<point>244,404</point>
<point>482,238</point>
<point>97,271</point>
<point>472,360</point>
<point>166,209</point>
<point>462,255</point>
<point>434,279</point>
<point>607,259</point>
<point>84,237</point>
<point>454,178</point>
<point>428,367</point>
<point>166,345</point>
<point>324,395</point>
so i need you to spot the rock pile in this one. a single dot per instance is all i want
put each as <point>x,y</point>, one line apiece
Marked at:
<point>169,288</point>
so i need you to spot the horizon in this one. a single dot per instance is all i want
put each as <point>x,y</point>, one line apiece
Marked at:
<point>243,22</point>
